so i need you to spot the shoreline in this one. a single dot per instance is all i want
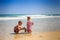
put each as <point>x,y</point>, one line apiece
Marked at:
<point>25,17</point>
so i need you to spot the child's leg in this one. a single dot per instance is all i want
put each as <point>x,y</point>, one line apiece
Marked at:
<point>29,30</point>
<point>25,29</point>
<point>16,31</point>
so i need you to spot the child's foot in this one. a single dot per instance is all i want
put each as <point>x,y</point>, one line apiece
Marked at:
<point>29,32</point>
<point>16,32</point>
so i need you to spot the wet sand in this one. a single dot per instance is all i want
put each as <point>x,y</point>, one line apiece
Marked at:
<point>38,36</point>
<point>33,36</point>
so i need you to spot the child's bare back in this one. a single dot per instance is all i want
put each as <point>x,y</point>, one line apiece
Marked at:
<point>17,28</point>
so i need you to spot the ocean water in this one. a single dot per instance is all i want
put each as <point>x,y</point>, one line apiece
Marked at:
<point>24,16</point>
<point>11,15</point>
<point>16,15</point>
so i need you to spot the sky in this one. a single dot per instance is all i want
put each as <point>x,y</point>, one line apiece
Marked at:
<point>29,6</point>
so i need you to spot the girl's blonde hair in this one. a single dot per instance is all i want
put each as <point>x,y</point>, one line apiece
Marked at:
<point>28,18</point>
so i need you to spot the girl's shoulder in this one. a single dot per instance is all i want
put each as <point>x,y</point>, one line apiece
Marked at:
<point>29,21</point>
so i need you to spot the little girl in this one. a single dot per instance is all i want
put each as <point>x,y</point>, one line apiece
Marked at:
<point>17,28</point>
<point>29,25</point>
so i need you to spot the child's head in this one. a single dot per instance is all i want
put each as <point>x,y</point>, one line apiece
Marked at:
<point>28,18</point>
<point>20,22</point>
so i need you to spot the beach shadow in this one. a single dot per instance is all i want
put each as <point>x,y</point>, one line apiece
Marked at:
<point>18,33</point>
<point>20,36</point>
<point>41,36</point>
<point>58,38</point>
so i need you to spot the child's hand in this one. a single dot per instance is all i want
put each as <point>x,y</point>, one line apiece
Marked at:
<point>32,23</point>
<point>19,28</point>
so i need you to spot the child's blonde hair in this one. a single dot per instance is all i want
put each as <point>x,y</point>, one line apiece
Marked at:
<point>28,18</point>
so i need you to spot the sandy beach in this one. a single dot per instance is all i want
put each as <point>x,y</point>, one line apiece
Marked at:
<point>33,36</point>
<point>38,36</point>
<point>43,29</point>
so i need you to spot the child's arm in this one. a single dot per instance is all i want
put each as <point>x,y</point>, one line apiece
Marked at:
<point>19,27</point>
<point>32,23</point>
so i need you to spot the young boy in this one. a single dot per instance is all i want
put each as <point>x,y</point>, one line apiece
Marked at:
<point>17,28</point>
<point>29,25</point>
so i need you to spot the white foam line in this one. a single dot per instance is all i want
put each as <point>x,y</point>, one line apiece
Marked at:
<point>24,17</point>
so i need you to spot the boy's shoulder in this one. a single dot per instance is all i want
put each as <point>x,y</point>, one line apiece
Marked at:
<point>16,25</point>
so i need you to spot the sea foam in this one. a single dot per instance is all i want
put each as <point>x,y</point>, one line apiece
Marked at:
<point>25,17</point>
